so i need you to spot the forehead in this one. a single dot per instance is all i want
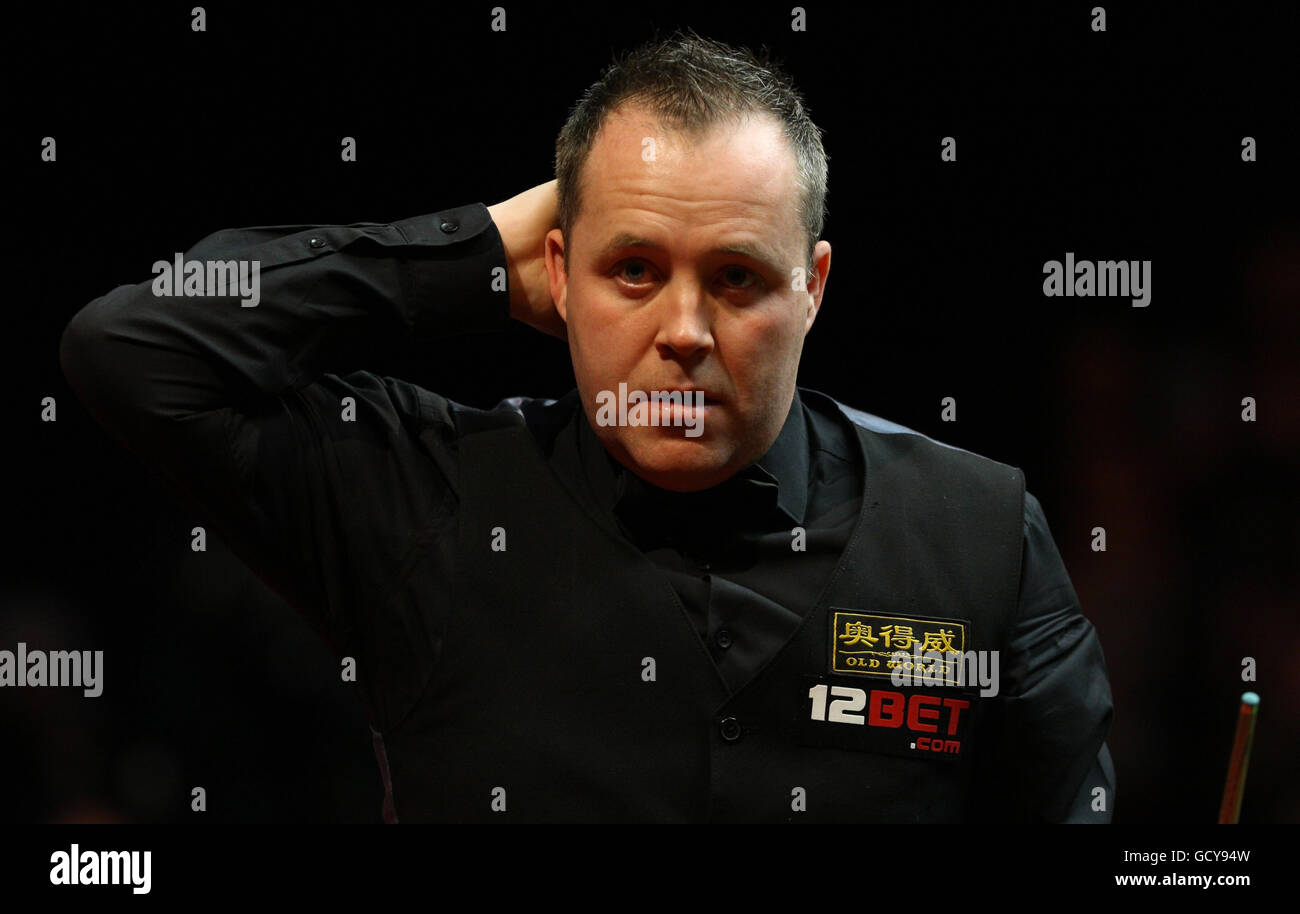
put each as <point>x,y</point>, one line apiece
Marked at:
<point>736,174</point>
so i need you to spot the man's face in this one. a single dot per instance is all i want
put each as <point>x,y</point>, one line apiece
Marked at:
<point>681,274</point>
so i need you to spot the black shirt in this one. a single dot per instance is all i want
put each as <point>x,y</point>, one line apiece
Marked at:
<point>235,407</point>
<point>747,558</point>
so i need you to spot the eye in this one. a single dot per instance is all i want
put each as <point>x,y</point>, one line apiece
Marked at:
<point>737,277</point>
<point>634,271</point>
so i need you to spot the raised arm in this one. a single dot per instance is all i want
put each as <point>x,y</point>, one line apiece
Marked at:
<point>327,486</point>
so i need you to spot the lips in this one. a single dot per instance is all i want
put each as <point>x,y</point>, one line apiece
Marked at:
<point>689,394</point>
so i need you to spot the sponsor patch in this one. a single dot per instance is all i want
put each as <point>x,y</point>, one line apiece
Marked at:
<point>863,644</point>
<point>879,718</point>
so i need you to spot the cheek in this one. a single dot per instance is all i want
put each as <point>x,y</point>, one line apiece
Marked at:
<point>763,348</point>
<point>581,326</point>
<point>600,337</point>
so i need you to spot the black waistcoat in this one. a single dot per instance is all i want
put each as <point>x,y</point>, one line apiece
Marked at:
<point>571,685</point>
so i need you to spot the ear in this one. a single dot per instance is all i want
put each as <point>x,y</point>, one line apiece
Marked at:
<point>556,273</point>
<point>817,281</point>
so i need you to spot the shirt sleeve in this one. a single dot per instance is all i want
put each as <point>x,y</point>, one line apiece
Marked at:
<point>332,489</point>
<point>1054,707</point>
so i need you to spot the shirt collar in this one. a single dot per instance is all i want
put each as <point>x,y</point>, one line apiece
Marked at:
<point>779,477</point>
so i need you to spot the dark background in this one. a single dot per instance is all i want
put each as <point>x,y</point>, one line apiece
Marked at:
<point>1117,145</point>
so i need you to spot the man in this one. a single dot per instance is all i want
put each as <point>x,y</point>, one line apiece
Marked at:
<point>686,607</point>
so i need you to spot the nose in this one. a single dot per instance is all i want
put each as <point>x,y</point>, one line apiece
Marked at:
<point>685,319</point>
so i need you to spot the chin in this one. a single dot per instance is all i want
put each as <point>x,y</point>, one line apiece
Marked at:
<point>681,464</point>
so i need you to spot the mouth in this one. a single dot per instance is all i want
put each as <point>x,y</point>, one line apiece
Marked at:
<point>690,394</point>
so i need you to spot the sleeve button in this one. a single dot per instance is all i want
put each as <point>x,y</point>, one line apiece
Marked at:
<point>449,225</point>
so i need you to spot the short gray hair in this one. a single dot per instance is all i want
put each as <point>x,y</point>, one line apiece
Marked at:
<point>690,84</point>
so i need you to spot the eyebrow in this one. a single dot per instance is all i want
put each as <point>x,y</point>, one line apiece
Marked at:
<point>744,249</point>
